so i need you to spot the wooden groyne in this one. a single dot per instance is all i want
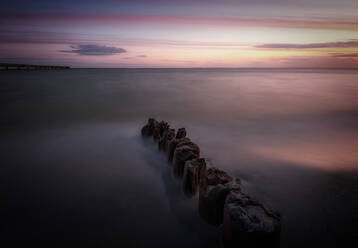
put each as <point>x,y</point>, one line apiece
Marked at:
<point>11,66</point>
<point>241,220</point>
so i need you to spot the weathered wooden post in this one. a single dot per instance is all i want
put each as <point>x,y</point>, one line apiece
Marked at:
<point>247,223</point>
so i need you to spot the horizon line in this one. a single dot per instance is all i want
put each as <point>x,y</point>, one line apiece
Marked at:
<point>303,68</point>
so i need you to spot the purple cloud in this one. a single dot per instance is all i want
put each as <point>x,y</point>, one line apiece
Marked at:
<point>342,44</point>
<point>345,55</point>
<point>94,50</point>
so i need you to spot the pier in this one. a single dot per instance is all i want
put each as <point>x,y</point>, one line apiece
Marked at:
<point>13,66</point>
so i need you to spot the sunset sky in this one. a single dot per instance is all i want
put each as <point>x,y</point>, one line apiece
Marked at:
<point>185,33</point>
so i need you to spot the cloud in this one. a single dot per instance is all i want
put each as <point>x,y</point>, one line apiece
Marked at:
<point>139,56</point>
<point>341,44</point>
<point>94,50</point>
<point>314,62</point>
<point>344,55</point>
<point>309,22</point>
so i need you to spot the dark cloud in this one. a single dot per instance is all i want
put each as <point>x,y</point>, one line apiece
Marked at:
<point>345,55</point>
<point>94,50</point>
<point>66,4</point>
<point>342,44</point>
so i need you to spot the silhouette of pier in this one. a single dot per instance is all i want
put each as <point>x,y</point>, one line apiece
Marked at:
<point>12,66</point>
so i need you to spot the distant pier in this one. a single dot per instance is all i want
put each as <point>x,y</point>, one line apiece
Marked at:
<point>12,66</point>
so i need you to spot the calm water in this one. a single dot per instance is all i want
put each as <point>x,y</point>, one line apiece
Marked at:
<point>74,170</point>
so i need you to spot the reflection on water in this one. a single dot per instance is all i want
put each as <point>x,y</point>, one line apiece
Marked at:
<point>75,170</point>
<point>338,154</point>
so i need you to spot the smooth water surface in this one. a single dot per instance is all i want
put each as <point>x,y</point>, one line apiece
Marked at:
<point>75,171</point>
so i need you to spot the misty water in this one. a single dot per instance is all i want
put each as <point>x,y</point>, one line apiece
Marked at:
<point>76,172</point>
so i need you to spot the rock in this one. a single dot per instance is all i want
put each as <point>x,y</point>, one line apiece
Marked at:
<point>181,133</point>
<point>165,140</point>
<point>148,129</point>
<point>193,170</point>
<point>159,130</point>
<point>215,185</point>
<point>185,150</point>
<point>247,223</point>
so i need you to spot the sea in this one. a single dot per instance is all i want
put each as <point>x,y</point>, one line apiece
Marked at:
<point>75,171</point>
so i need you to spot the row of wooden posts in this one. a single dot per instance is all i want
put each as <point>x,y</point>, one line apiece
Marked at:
<point>241,220</point>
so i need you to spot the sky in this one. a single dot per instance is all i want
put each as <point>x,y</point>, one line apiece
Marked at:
<point>185,33</point>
